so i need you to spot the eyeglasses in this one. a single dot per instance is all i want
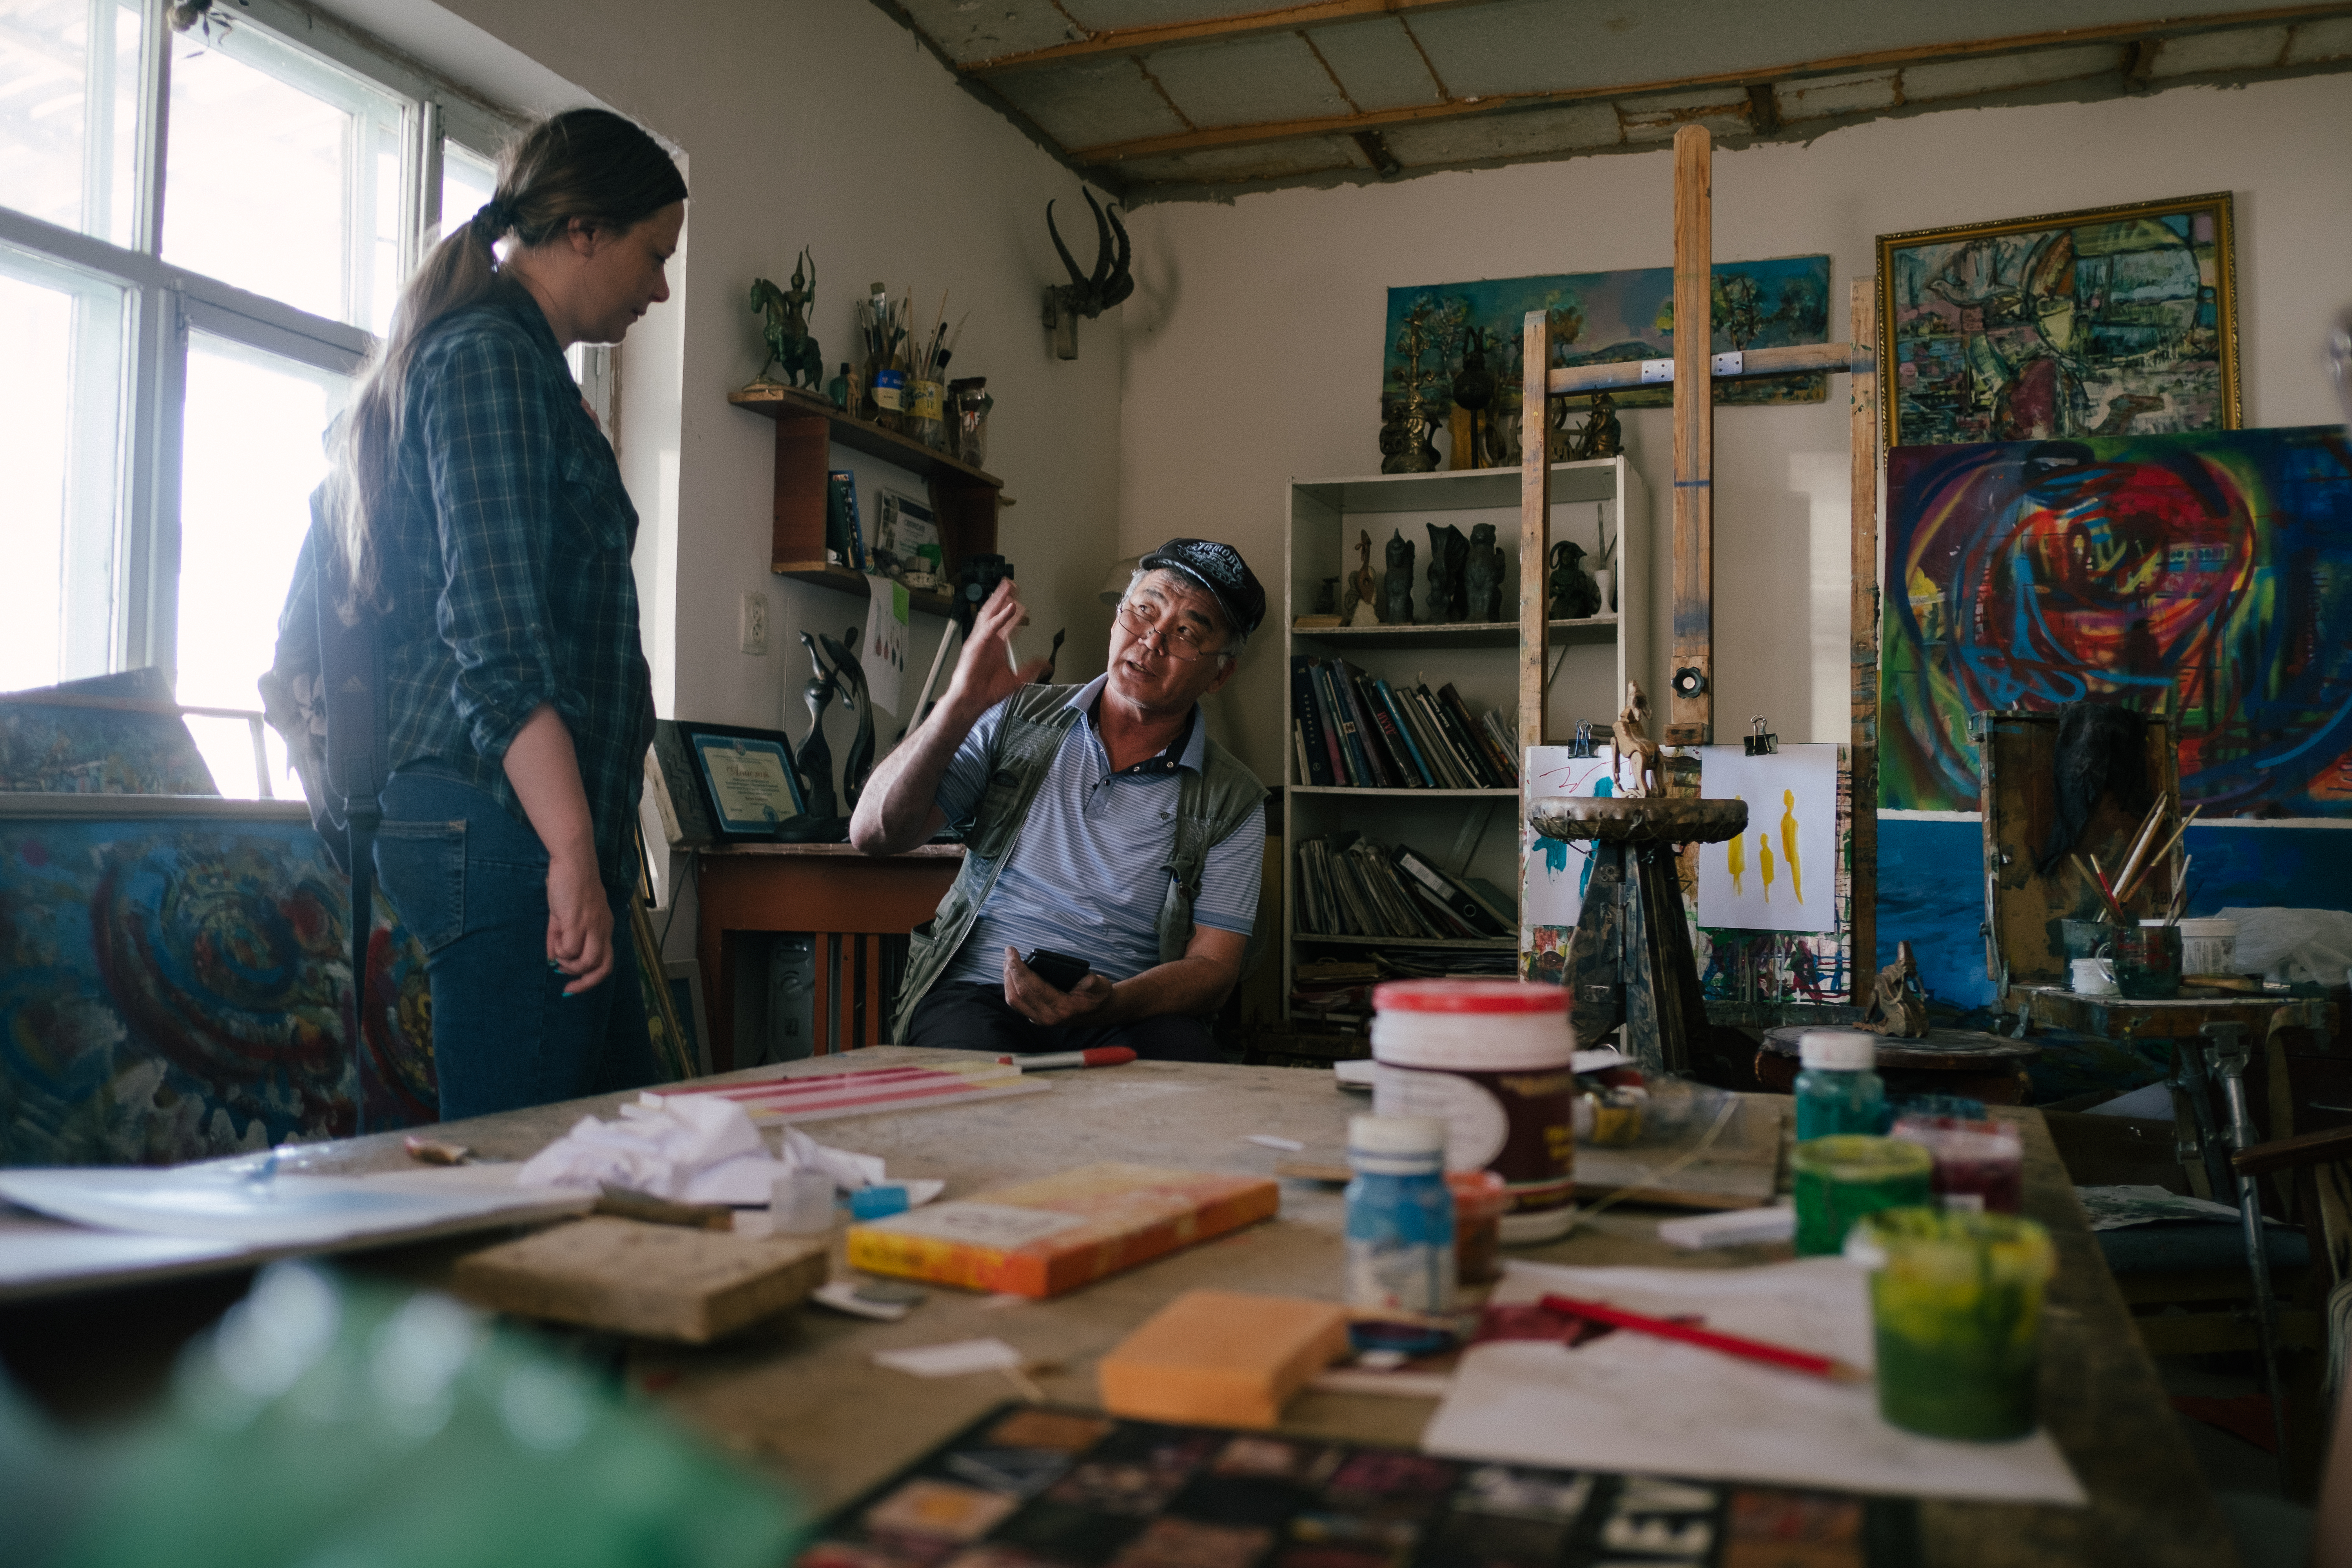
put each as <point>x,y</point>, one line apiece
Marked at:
<point>1177,640</point>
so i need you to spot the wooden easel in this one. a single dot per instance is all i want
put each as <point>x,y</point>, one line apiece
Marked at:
<point>1692,372</point>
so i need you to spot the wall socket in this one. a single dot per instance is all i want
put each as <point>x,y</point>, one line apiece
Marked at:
<point>755,624</point>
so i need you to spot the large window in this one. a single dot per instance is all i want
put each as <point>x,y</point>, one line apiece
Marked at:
<point>201,227</point>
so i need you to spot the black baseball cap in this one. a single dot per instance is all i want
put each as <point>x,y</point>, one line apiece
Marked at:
<point>1220,569</point>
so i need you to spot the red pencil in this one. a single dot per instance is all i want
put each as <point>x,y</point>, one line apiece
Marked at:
<point>1729,1344</point>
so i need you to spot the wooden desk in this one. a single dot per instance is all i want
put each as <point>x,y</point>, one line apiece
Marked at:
<point>848,901</point>
<point>801,1395</point>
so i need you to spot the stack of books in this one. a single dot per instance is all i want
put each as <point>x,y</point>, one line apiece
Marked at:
<point>1350,885</point>
<point>1350,728</point>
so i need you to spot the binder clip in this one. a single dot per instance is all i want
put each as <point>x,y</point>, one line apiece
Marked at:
<point>1758,741</point>
<point>1582,745</point>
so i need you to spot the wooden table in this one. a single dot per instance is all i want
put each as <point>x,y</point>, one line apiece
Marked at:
<point>800,1397</point>
<point>847,900</point>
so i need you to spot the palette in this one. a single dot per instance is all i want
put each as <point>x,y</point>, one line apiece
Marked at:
<point>1038,1487</point>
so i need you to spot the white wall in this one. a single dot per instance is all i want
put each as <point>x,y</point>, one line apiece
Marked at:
<point>1253,341</point>
<point>817,123</point>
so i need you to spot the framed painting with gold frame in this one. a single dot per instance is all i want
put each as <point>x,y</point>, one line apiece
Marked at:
<point>2115,321</point>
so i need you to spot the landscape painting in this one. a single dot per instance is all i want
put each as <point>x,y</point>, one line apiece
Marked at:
<point>2119,322</point>
<point>2208,576</point>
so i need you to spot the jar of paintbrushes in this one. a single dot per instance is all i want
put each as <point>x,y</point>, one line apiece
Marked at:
<point>2143,906</point>
<point>927,388</point>
<point>882,340</point>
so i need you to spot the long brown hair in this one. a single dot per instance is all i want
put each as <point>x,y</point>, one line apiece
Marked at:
<point>588,164</point>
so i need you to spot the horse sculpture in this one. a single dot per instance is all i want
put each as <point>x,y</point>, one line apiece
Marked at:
<point>784,326</point>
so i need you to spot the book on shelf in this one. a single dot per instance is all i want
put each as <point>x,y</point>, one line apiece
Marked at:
<point>1454,893</point>
<point>1498,762</point>
<point>1358,769</point>
<point>1375,762</point>
<point>1465,750</point>
<point>1437,743</point>
<point>1498,730</point>
<point>1315,763</point>
<point>1406,743</point>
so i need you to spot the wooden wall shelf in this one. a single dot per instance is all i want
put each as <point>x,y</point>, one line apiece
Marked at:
<point>964,500</point>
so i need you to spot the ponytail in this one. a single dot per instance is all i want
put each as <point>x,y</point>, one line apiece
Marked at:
<point>585,165</point>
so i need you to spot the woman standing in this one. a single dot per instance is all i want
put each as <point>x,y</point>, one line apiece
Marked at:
<point>477,501</point>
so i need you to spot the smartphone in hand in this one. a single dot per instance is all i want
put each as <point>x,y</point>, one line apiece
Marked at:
<point>1058,969</point>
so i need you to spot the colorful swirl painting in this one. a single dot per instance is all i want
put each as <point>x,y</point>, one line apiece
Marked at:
<point>2207,575</point>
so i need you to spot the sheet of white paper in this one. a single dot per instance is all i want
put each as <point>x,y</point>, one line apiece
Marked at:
<point>884,654</point>
<point>33,1254</point>
<point>1634,1402</point>
<point>1555,870</point>
<point>953,1358</point>
<point>1781,874</point>
<point>208,1202</point>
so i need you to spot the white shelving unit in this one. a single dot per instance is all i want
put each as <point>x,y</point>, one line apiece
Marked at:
<point>1472,833</point>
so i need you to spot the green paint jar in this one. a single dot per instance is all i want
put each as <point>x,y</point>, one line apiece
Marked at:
<point>1838,1180</point>
<point>1956,1301</point>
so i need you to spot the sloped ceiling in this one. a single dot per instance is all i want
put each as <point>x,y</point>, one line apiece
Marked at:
<point>1161,99</point>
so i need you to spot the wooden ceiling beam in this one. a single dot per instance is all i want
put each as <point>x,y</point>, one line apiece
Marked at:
<point>1116,153</point>
<point>1248,25</point>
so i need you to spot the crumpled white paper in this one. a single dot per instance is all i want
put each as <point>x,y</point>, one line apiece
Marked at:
<point>692,1147</point>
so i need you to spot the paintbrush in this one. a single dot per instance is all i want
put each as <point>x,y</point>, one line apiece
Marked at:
<point>2158,859</point>
<point>2106,894</point>
<point>1739,1345</point>
<point>2127,875</point>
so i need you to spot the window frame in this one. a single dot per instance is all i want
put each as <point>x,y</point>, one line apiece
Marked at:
<point>163,301</point>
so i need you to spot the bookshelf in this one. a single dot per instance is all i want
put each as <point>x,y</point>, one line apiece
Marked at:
<point>1471,833</point>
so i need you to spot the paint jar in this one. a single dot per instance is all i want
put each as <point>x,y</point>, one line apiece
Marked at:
<point>1956,1302</point>
<point>1400,1216</point>
<point>1838,1088</point>
<point>2085,939</point>
<point>2147,962</point>
<point>1494,1060</point>
<point>1481,1198</point>
<point>1838,1180</point>
<point>2091,976</point>
<point>927,413</point>
<point>1979,1164</point>
<point>801,1203</point>
<point>969,405</point>
<point>2209,946</point>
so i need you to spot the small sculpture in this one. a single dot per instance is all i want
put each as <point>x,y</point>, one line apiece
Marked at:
<point>1600,436</point>
<point>1411,450</point>
<point>1632,741</point>
<point>836,391</point>
<point>1899,1007</point>
<point>785,325</point>
<point>1088,294</point>
<point>1449,552</point>
<point>1482,578</point>
<point>1559,441</point>
<point>850,671</point>
<point>1396,588</point>
<point>815,759</point>
<point>1474,390</point>
<point>1364,586</point>
<point>1574,594</point>
<point>1053,657</point>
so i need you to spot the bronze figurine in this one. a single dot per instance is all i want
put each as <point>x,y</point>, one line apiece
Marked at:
<point>1396,589</point>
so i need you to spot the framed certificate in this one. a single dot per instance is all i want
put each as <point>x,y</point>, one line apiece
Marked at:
<point>747,776</point>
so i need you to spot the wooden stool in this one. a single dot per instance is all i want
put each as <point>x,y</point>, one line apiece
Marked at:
<point>1966,1062</point>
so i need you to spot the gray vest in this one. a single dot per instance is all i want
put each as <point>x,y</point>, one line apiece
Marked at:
<point>1210,806</point>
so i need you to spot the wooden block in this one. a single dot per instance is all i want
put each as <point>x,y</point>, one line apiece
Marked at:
<point>1054,1234</point>
<point>1221,1358</point>
<point>657,1282</point>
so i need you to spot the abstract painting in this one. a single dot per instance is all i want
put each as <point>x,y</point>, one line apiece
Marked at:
<point>1757,881</point>
<point>129,741</point>
<point>1554,872</point>
<point>2205,575</point>
<point>1602,318</point>
<point>2117,321</point>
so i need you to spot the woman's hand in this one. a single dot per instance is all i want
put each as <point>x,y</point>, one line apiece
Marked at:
<point>579,921</point>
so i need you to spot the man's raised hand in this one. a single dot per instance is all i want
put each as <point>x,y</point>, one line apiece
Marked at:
<point>984,672</point>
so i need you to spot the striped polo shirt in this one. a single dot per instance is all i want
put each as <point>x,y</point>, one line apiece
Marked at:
<point>1082,876</point>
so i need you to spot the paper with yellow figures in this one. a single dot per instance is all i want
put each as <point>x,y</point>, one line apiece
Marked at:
<point>1781,873</point>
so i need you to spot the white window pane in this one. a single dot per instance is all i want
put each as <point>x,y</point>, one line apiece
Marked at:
<point>467,181</point>
<point>69,112</point>
<point>250,454</point>
<point>281,174</point>
<point>61,410</point>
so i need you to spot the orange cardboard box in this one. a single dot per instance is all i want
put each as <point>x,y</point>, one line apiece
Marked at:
<point>1054,1234</point>
<point>1221,1358</point>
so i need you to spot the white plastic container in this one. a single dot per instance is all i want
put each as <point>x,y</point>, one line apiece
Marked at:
<point>1493,1060</point>
<point>2209,946</point>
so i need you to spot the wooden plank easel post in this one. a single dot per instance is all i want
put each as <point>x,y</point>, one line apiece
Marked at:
<point>1862,701</point>
<point>1535,521</point>
<point>1690,681</point>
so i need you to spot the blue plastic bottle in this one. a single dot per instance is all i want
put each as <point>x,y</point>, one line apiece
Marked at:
<point>1840,1090</point>
<point>1400,1216</point>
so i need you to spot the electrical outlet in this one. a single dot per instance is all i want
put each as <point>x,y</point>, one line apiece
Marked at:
<point>755,624</point>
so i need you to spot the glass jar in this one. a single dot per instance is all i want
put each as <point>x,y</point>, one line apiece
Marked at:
<point>1400,1216</point>
<point>969,404</point>
<point>1839,1091</point>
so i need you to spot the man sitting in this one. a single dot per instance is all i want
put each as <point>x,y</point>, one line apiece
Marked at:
<point>1105,824</point>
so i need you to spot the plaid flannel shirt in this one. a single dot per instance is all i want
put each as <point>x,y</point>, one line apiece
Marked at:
<point>507,561</point>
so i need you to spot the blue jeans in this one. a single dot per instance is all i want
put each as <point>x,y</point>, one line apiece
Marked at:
<point>469,883</point>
